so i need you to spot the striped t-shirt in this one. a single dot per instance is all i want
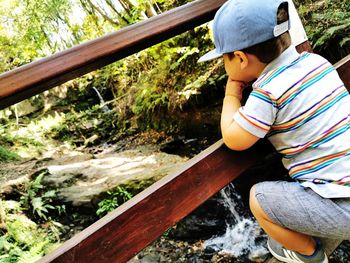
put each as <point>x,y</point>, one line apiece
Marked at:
<point>301,105</point>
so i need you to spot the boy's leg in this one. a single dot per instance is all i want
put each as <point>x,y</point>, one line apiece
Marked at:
<point>292,240</point>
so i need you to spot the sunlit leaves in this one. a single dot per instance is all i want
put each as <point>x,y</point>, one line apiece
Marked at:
<point>327,25</point>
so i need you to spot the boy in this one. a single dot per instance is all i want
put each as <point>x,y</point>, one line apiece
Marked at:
<point>300,104</point>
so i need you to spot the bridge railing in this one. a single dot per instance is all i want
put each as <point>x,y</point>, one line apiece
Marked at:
<point>127,230</point>
<point>36,77</point>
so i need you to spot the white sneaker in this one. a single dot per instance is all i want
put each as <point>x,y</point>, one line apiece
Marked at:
<point>289,256</point>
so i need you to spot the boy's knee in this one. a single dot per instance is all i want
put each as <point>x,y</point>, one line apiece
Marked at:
<point>254,205</point>
<point>253,202</point>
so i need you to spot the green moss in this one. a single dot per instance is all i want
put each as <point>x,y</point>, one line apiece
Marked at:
<point>7,155</point>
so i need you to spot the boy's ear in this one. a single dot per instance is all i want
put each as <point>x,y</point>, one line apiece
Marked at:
<point>243,58</point>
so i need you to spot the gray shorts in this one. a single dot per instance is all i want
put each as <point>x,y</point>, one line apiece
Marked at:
<point>292,206</point>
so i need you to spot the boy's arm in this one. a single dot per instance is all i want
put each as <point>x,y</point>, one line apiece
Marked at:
<point>235,137</point>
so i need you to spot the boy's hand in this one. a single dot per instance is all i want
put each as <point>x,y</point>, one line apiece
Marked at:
<point>234,88</point>
<point>234,136</point>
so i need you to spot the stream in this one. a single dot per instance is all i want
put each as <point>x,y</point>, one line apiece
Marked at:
<point>242,241</point>
<point>243,235</point>
<point>221,230</point>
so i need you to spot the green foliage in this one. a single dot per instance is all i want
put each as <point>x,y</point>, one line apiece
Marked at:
<point>23,240</point>
<point>27,139</point>
<point>7,155</point>
<point>32,29</point>
<point>149,99</point>
<point>112,200</point>
<point>79,127</point>
<point>165,78</point>
<point>168,233</point>
<point>39,200</point>
<point>327,25</point>
<point>18,141</point>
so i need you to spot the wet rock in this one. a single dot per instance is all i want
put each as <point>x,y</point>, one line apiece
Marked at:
<point>342,253</point>
<point>173,146</point>
<point>81,182</point>
<point>195,259</point>
<point>203,223</point>
<point>183,146</point>
<point>150,258</point>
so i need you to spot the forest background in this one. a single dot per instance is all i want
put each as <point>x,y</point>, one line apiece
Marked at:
<point>161,88</point>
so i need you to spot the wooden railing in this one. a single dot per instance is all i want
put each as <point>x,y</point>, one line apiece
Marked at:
<point>343,68</point>
<point>127,230</point>
<point>38,76</point>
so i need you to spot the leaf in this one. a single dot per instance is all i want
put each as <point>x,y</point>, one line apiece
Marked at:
<point>330,33</point>
<point>344,41</point>
<point>37,203</point>
<point>40,207</point>
<point>48,194</point>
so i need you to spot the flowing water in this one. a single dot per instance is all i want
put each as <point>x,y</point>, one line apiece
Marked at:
<point>102,101</point>
<point>243,236</point>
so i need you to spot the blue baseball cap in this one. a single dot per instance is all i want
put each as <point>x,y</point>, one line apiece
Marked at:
<point>240,24</point>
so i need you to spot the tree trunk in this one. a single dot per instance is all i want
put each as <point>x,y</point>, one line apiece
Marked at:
<point>102,13</point>
<point>150,10</point>
<point>128,5</point>
<point>110,4</point>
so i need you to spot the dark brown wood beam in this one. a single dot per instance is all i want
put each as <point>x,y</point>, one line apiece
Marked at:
<point>121,234</point>
<point>343,68</point>
<point>305,46</point>
<point>36,77</point>
<point>127,230</point>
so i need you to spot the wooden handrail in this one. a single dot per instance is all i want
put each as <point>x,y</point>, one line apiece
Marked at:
<point>131,227</point>
<point>343,68</point>
<point>36,77</point>
<point>127,230</point>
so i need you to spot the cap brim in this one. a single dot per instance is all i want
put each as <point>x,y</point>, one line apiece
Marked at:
<point>209,56</point>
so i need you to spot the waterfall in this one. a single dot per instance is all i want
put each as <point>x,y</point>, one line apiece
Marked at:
<point>243,235</point>
<point>102,102</point>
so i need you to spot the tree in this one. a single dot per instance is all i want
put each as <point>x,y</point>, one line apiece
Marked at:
<point>120,12</point>
<point>33,29</point>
